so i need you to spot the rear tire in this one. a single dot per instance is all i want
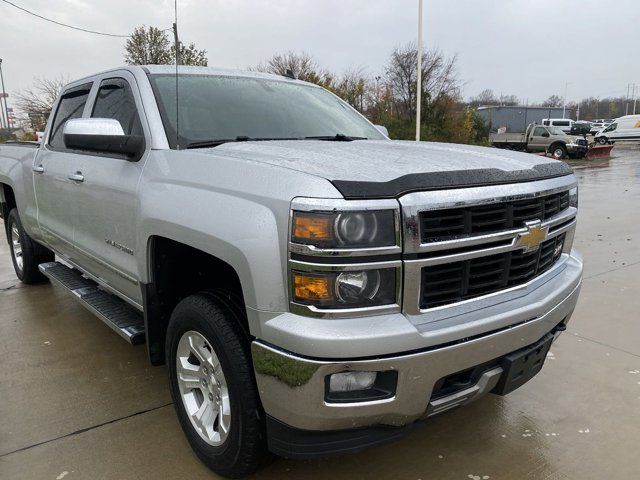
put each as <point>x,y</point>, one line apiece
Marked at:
<point>213,387</point>
<point>26,254</point>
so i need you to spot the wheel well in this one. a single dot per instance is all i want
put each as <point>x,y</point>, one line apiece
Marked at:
<point>557,144</point>
<point>7,203</point>
<point>177,271</point>
<point>8,200</point>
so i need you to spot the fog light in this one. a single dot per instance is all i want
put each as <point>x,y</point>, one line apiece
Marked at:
<point>351,381</point>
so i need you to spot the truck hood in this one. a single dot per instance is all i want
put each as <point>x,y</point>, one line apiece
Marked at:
<point>387,168</point>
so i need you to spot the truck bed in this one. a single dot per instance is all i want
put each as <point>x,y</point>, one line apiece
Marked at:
<point>504,138</point>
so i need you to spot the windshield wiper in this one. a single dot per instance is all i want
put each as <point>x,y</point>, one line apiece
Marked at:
<point>239,138</point>
<point>338,137</point>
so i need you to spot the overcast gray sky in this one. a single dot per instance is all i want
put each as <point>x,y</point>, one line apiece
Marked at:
<point>522,47</point>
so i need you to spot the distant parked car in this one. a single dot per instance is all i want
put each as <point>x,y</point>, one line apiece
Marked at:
<point>623,128</point>
<point>580,128</point>
<point>563,124</point>
<point>600,124</point>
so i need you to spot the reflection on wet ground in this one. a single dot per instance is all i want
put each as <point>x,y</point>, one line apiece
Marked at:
<point>71,389</point>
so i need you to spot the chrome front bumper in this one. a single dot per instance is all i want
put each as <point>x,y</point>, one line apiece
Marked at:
<point>292,387</point>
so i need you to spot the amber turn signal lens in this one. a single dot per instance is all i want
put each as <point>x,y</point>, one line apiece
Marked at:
<point>309,226</point>
<point>311,288</point>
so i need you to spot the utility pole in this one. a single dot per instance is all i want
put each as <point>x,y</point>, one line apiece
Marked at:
<point>4,96</point>
<point>564,99</point>
<point>419,89</point>
<point>626,108</point>
<point>635,100</point>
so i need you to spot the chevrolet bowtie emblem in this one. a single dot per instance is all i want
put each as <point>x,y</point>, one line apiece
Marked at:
<point>533,237</point>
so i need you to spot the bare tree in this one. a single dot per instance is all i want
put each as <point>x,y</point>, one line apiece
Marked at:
<point>485,97</point>
<point>152,46</point>
<point>38,101</point>
<point>439,77</point>
<point>553,101</point>
<point>302,65</point>
<point>352,87</point>
<point>508,100</point>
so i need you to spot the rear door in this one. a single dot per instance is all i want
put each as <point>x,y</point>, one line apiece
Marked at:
<point>56,193</point>
<point>106,227</point>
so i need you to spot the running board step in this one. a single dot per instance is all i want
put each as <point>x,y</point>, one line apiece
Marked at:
<point>122,318</point>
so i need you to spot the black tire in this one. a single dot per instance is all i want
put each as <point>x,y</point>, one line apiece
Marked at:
<point>33,254</point>
<point>245,447</point>
<point>558,151</point>
<point>602,140</point>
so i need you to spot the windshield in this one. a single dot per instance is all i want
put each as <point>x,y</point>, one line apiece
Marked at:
<point>556,131</point>
<point>233,108</point>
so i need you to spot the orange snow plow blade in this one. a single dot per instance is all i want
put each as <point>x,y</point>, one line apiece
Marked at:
<point>598,151</point>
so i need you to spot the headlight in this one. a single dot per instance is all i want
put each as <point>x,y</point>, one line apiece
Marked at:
<point>344,257</point>
<point>345,230</point>
<point>346,289</point>
<point>573,197</point>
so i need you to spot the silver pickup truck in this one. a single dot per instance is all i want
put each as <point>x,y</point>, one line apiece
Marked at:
<point>314,287</point>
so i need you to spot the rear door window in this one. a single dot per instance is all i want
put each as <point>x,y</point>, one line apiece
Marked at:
<point>115,100</point>
<point>71,106</point>
<point>561,123</point>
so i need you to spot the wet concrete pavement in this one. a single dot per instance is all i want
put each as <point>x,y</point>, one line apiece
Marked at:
<point>75,398</point>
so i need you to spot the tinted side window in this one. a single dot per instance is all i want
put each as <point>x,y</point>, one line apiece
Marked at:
<point>538,132</point>
<point>115,100</point>
<point>561,123</point>
<point>71,106</point>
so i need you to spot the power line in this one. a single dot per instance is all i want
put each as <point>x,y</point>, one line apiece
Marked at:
<point>64,24</point>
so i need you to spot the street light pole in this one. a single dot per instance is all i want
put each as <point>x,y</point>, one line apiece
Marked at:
<point>4,96</point>
<point>419,86</point>
<point>564,99</point>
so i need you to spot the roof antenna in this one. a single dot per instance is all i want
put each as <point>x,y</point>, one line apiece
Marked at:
<point>289,74</point>
<point>177,62</point>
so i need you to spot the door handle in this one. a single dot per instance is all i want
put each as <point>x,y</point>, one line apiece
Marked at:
<point>38,168</point>
<point>76,177</point>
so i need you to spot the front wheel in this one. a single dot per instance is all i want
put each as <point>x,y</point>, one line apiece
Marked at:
<point>213,388</point>
<point>558,152</point>
<point>602,140</point>
<point>25,253</point>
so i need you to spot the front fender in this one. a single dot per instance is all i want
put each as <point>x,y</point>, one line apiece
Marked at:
<point>235,210</point>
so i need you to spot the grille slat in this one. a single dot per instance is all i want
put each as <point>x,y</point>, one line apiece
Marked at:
<point>480,276</point>
<point>449,224</point>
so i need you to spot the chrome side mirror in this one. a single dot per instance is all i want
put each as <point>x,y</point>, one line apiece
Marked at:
<point>103,135</point>
<point>383,130</point>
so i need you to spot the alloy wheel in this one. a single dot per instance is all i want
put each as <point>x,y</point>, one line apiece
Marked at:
<point>203,388</point>
<point>16,247</point>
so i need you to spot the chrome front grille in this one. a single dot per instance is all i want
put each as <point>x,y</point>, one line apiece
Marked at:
<point>470,243</point>
<point>439,225</point>
<point>454,282</point>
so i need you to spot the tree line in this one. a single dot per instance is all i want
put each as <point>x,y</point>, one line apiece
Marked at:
<point>388,98</point>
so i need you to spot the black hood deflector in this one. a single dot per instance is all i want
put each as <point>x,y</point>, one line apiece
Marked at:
<point>448,180</point>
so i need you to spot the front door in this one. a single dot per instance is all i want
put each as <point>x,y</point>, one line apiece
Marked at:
<point>538,140</point>
<point>53,169</point>
<point>106,226</point>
